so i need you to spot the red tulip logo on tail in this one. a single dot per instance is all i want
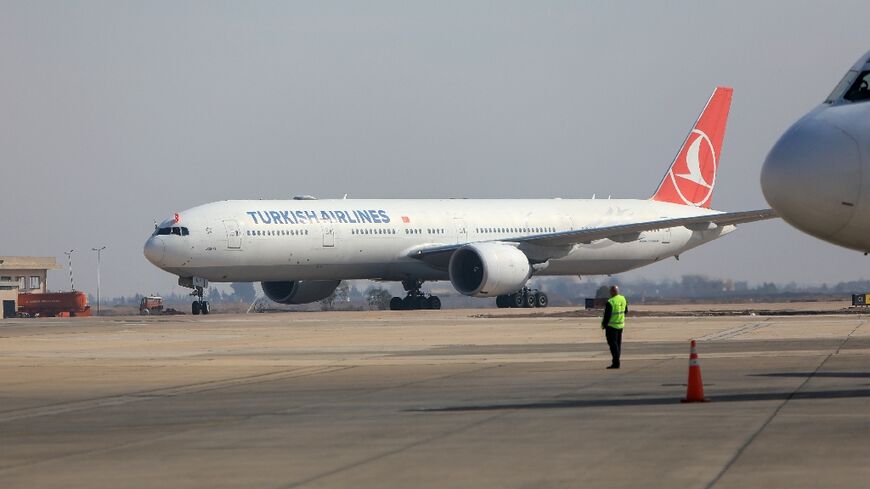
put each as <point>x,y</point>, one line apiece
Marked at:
<point>692,175</point>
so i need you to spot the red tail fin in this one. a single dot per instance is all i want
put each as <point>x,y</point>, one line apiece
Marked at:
<point>692,175</point>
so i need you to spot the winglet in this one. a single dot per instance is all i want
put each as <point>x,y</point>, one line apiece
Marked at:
<point>692,175</point>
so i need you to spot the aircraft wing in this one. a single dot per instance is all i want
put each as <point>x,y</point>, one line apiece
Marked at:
<point>439,256</point>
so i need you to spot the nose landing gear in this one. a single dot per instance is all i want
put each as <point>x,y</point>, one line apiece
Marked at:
<point>415,298</point>
<point>198,284</point>
<point>199,306</point>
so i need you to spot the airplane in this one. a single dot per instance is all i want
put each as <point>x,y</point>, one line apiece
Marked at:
<point>817,175</point>
<point>301,249</point>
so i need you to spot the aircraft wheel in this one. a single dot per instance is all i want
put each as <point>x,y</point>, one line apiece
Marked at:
<point>396,304</point>
<point>502,301</point>
<point>529,299</point>
<point>434,302</point>
<point>409,303</point>
<point>194,308</point>
<point>517,300</point>
<point>542,300</point>
<point>205,308</point>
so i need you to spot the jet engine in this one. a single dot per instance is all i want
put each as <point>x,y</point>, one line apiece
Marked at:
<point>488,269</point>
<point>299,291</point>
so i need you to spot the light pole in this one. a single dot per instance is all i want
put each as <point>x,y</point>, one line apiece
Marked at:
<point>99,251</point>
<point>69,258</point>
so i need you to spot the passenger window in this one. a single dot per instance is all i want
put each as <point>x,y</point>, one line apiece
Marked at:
<point>186,232</point>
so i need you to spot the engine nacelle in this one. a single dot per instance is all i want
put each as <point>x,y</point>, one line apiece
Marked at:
<point>299,291</point>
<point>488,269</point>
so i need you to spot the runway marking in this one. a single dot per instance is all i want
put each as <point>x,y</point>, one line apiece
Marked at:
<point>388,453</point>
<point>435,437</point>
<point>128,398</point>
<point>737,331</point>
<point>212,386</point>
<point>779,408</point>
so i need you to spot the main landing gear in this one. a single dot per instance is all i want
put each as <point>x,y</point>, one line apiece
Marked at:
<point>199,306</point>
<point>524,298</point>
<point>415,299</point>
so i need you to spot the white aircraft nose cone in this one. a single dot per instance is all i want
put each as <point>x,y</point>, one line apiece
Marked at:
<point>154,250</point>
<point>812,176</point>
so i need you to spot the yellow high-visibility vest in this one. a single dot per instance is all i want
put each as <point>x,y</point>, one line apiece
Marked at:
<point>618,305</point>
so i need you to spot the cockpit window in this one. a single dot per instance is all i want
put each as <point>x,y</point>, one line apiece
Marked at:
<point>841,87</point>
<point>860,89</point>
<point>178,231</point>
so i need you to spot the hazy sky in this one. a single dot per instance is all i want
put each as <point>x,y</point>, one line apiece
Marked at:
<point>114,114</point>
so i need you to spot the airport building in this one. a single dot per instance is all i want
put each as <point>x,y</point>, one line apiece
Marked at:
<point>20,274</point>
<point>8,298</point>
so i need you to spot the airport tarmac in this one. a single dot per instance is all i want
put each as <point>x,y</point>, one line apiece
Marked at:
<point>432,399</point>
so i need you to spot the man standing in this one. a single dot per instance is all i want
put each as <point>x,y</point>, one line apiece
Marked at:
<point>613,322</point>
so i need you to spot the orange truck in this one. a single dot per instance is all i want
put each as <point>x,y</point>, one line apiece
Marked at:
<point>49,304</point>
<point>151,304</point>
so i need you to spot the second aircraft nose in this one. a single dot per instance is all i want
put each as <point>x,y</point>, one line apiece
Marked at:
<point>812,176</point>
<point>154,250</point>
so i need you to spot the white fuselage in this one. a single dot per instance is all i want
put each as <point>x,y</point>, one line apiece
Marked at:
<point>817,176</point>
<point>275,240</point>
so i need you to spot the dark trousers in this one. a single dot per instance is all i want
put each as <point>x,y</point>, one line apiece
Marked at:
<point>614,341</point>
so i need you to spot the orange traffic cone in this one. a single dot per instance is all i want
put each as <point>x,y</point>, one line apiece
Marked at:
<point>695,389</point>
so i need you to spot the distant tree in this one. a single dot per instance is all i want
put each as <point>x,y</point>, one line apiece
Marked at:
<point>328,302</point>
<point>243,291</point>
<point>378,298</point>
<point>354,293</point>
<point>603,292</point>
<point>342,292</point>
<point>768,288</point>
<point>339,295</point>
<point>216,296</point>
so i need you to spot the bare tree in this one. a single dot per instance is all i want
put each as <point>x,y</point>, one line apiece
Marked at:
<point>378,298</point>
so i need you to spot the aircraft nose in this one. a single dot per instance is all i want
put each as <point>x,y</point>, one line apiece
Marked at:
<point>812,176</point>
<point>154,250</point>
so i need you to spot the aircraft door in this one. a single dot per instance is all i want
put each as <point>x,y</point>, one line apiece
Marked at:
<point>234,236</point>
<point>8,309</point>
<point>461,230</point>
<point>328,235</point>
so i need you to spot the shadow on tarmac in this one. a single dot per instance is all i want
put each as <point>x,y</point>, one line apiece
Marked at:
<point>653,401</point>
<point>845,375</point>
